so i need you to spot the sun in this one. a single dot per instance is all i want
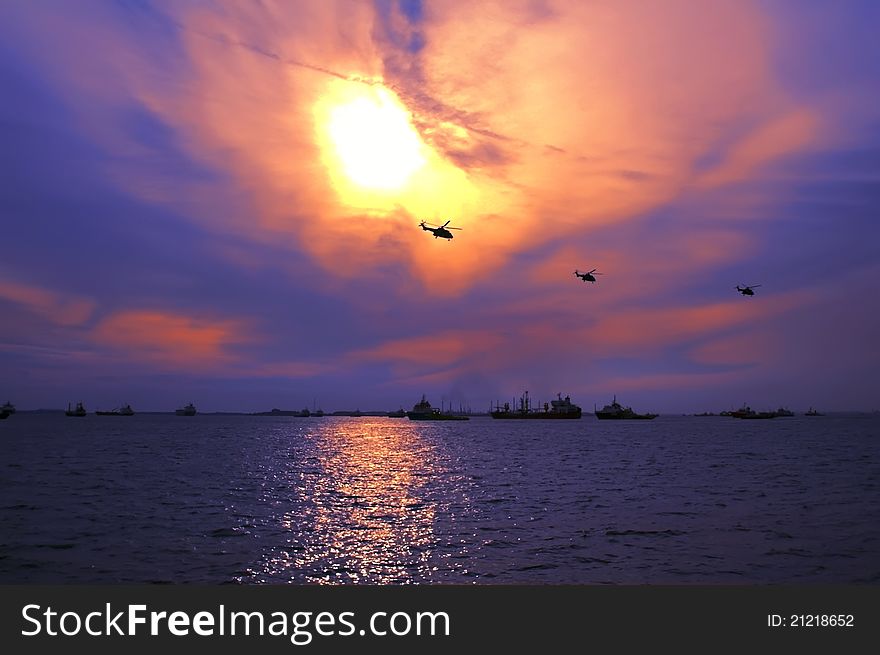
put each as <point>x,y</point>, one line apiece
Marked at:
<point>373,139</point>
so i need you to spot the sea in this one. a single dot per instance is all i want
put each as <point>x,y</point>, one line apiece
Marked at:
<point>215,499</point>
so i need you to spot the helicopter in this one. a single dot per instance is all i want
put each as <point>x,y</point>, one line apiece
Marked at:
<point>588,276</point>
<point>747,291</point>
<point>438,230</point>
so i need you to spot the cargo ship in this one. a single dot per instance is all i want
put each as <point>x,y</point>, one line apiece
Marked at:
<point>189,410</point>
<point>125,410</point>
<point>616,411</point>
<point>79,411</point>
<point>747,412</point>
<point>422,411</point>
<point>556,409</point>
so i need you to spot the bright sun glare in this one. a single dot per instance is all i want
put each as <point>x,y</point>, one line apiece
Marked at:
<point>372,135</point>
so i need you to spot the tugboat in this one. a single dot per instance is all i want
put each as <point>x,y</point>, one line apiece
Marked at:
<point>79,411</point>
<point>125,410</point>
<point>813,412</point>
<point>556,409</point>
<point>616,411</point>
<point>189,410</point>
<point>9,408</point>
<point>422,411</point>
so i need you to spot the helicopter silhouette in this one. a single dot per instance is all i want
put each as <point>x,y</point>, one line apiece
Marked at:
<point>747,291</point>
<point>588,276</point>
<point>439,230</point>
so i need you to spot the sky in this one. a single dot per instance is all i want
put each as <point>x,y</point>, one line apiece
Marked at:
<point>219,202</point>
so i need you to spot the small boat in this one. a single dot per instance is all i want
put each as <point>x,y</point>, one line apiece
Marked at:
<point>400,413</point>
<point>189,410</point>
<point>422,411</point>
<point>125,410</point>
<point>9,408</point>
<point>616,411</point>
<point>79,411</point>
<point>813,412</point>
<point>782,411</point>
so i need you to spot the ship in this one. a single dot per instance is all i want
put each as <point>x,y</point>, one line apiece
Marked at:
<point>422,411</point>
<point>616,411</point>
<point>742,412</point>
<point>785,412</point>
<point>754,414</point>
<point>78,411</point>
<point>9,408</point>
<point>399,413</point>
<point>747,412</point>
<point>189,410</point>
<point>813,412</point>
<point>125,410</point>
<point>303,413</point>
<point>555,409</point>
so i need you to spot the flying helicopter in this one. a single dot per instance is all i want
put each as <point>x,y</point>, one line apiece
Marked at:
<point>747,291</point>
<point>588,276</point>
<point>439,230</point>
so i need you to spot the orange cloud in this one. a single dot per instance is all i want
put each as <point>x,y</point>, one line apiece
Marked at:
<point>533,124</point>
<point>57,307</point>
<point>750,348</point>
<point>441,349</point>
<point>172,340</point>
<point>534,121</point>
<point>773,139</point>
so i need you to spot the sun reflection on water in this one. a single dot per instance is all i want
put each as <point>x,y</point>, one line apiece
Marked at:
<point>363,508</point>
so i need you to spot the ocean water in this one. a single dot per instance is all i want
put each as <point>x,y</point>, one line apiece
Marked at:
<point>342,500</point>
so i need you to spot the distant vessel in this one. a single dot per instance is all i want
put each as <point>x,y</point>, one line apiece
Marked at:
<point>9,408</point>
<point>79,411</point>
<point>400,413</point>
<point>4,414</point>
<point>782,411</point>
<point>616,411</point>
<point>422,411</point>
<point>125,410</point>
<point>290,412</point>
<point>754,414</point>
<point>189,410</point>
<point>747,412</point>
<point>813,412</point>
<point>742,412</point>
<point>556,409</point>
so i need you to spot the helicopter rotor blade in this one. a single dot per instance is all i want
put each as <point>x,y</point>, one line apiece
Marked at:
<point>453,228</point>
<point>446,223</point>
